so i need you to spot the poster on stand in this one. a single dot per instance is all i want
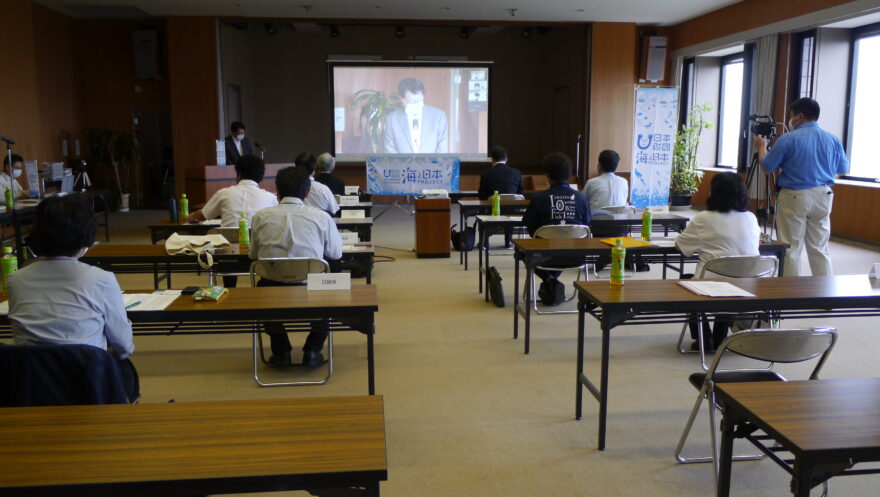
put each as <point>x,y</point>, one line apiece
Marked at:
<point>409,175</point>
<point>654,125</point>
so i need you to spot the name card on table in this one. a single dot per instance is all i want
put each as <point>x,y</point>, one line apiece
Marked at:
<point>349,200</point>
<point>329,281</point>
<point>352,190</point>
<point>354,214</point>
<point>875,270</point>
<point>349,238</point>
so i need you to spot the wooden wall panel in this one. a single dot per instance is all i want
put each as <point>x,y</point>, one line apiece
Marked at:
<point>192,73</point>
<point>19,105</point>
<point>614,62</point>
<point>742,16</point>
<point>856,210</point>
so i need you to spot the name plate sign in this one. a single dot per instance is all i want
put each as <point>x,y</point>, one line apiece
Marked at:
<point>349,200</point>
<point>354,214</point>
<point>352,190</point>
<point>329,281</point>
<point>349,238</point>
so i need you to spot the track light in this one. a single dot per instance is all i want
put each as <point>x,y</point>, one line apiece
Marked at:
<point>526,33</point>
<point>464,33</point>
<point>399,32</point>
<point>271,30</point>
<point>334,31</point>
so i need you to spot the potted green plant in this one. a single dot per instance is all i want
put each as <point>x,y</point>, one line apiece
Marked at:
<point>374,105</point>
<point>686,175</point>
<point>118,151</point>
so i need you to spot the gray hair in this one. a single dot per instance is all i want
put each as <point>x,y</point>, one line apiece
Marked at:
<point>326,163</point>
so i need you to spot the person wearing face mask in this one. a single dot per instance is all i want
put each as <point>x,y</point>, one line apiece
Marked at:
<point>808,159</point>
<point>237,144</point>
<point>6,181</point>
<point>58,300</point>
<point>415,128</point>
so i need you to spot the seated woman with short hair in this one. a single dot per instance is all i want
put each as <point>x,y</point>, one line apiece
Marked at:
<point>57,299</point>
<point>725,228</point>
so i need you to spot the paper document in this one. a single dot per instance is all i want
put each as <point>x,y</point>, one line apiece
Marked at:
<point>499,218</point>
<point>4,307</point>
<point>715,289</point>
<point>155,301</point>
<point>663,242</point>
<point>211,222</point>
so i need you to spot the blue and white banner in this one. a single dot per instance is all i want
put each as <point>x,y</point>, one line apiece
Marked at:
<point>656,120</point>
<point>409,175</point>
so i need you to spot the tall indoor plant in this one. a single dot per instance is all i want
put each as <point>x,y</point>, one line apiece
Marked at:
<point>375,106</point>
<point>119,152</point>
<point>686,175</point>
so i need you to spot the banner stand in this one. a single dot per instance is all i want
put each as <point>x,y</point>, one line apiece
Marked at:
<point>655,121</point>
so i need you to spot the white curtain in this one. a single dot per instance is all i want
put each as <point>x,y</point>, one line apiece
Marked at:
<point>764,79</point>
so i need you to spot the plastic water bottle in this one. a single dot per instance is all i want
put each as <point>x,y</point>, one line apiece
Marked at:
<point>184,208</point>
<point>8,265</point>
<point>647,219</point>
<point>10,199</point>
<point>496,204</point>
<point>618,254</point>
<point>244,232</point>
<point>172,209</point>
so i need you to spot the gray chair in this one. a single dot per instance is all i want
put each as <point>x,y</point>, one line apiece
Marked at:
<point>575,231</point>
<point>735,266</point>
<point>287,270</point>
<point>511,196</point>
<point>519,231</point>
<point>768,345</point>
<point>231,236</point>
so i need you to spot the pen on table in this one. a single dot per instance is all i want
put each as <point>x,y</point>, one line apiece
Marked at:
<point>129,306</point>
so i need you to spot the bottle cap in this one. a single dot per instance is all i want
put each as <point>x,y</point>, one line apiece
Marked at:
<point>7,250</point>
<point>243,215</point>
<point>183,195</point>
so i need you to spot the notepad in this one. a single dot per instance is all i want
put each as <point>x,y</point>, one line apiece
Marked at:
<point>715,289</point>
<point>155,301</point>
<point>628,242</point>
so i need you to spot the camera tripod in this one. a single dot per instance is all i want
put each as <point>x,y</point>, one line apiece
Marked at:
<point>764,195</point>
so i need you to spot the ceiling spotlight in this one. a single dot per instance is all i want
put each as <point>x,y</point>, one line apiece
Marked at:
<point>399,32</point>
<point>526,33</point>
<point>271,30</point>
<point>464,33</point>
<point>511,12</point>
<point>334,31</point>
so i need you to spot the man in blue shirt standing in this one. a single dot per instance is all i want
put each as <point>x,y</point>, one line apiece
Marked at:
<point>808,158</point>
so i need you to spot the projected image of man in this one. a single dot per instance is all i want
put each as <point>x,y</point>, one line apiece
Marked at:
<point>416,128</point>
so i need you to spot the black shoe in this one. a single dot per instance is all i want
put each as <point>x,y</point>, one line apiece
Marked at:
<point>312,359</point>
<point>508,244</point>
<point>279,360</point>
<point>642,267</point>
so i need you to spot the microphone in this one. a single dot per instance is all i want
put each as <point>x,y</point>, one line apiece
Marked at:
<point>7,140</point>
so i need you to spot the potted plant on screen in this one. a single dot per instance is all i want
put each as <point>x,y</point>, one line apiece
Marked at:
<point>375,105</point>
<point>686,175</point>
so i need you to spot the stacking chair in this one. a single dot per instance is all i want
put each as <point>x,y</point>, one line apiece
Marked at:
<point>519,231</point>
<point>294,270</point>
<point>231,236</point>
<point>558,231</point>
<point>735,266</point>
<point>768,345</point>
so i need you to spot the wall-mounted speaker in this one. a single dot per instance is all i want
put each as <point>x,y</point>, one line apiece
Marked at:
<point>145,43</point>
<point>653,63</point>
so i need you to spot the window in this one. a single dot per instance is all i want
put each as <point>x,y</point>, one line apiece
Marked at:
<point>686,98</point>
<point>806,60</point>
<point>730,109</point>
<point>864,103</point>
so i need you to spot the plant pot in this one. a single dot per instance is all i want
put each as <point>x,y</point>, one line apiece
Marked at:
<point>679,201</point>
<point>123,202</point>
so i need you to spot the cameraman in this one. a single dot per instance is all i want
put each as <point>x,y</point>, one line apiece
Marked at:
<point>808,159</point>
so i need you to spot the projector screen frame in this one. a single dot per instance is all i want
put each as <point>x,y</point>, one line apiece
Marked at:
<point>451,63</point>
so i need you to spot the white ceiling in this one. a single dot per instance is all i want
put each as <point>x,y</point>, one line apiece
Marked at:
<point>639,11</point>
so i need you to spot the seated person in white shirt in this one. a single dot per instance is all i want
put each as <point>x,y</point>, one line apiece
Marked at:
<point>320,196</point>
<point>293,229</point>
<point>725,228</point>
<point>607,189</point>
<point>6,181</point>
<point>57,299</point>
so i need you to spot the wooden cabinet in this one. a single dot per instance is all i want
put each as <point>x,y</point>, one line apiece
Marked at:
<point>432,227</point>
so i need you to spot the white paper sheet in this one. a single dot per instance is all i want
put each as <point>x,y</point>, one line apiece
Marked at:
<point>155,301</point>
<point>4,307</point>
<point>211,222</point>
<point>715,289</point>
<point>500,218</point>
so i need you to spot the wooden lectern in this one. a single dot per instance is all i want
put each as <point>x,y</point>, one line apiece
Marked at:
<point>432,227</point>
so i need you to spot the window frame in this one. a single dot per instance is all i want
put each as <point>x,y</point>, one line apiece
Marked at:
<point>686,90</point>
<point>798,69</point>
<point>743,111</point>
<point>867,31</point>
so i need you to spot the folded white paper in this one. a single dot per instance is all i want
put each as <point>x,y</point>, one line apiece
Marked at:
<point>715,289</point>
<point>155,301</point>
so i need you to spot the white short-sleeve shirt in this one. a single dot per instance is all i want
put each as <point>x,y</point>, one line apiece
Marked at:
<point>230,202</point>
<point>320,197</point>
<point>713,234</point>
<point>606,190</point>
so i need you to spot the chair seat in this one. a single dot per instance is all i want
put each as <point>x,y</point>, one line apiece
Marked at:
<point>697,379</point>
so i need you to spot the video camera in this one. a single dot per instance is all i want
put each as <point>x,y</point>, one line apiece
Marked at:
<point>764,125</point>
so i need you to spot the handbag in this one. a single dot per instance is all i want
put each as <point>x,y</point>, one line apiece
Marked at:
<point>198,245</point>
<point>464,240</point>
<point>493,286</point>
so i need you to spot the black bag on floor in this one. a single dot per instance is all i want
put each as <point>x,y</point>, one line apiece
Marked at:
<point>493,286</point>
<point>463,241</point>
<point>551,292</point>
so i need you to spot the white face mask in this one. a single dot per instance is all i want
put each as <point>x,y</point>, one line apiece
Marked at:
<point>239,138</point>
<point>16,173</point>
<point>414,108</point>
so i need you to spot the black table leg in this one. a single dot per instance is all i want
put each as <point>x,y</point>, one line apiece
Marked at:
<point>371,362</point>
<point>486,245</point>
<point>780,256</point>
<point>530,271</point>
<point>725,457</point>
<point>579,395</point>
<point>603,382</point>
<point>515,298</point>
<point>480,259</point>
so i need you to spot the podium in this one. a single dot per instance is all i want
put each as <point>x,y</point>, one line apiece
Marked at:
<point>432,227</point>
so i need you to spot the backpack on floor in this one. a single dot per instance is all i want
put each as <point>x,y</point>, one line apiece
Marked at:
<point>463,241</point>
<point>493,286</point>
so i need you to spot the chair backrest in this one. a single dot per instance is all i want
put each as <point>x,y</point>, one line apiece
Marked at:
<point>55,375</point>
<point>775,345</point>
<point>511,196</point>
<point>563,231</point>
<point>619,209</point>
<point>230,234</point>
<point>741,266</point>
<point>287,269</point>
